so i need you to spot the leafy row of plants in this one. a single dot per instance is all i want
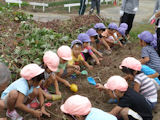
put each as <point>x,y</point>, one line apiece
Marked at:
<point>24,41</point>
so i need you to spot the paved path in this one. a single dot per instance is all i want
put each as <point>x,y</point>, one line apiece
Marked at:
<point>145,11</point>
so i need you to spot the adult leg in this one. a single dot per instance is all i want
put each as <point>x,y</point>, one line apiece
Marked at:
<point>98,6</point>
<point>93,4</point>
<point>158,41</point>
<point>82,7</point>
<point>129,22</point>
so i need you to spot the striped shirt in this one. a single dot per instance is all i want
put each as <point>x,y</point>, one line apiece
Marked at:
<point>154,59</point>
<point>147,87</point>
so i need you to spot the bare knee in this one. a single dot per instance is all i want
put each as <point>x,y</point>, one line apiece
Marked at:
<point>34,93</point>
<point>124,112</point>
<point>13,94</point>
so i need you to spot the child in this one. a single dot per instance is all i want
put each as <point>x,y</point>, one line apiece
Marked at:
<point>15,95</point>
<point>5,76</point>
<point>131,105</point>
<point>65,54</point>
<point>80,108</point>
<point>142,83</point>
<point>77,58</point>
<point>149,54</point>
<point>154,42</point>
<point>87,52</point>
<point>121,35</point>
<point>51,62</point>
<point>110,35</point>
<point>93,36</point>
<point>100,28</point>
<point>151,74</point>
<point>124,25</point>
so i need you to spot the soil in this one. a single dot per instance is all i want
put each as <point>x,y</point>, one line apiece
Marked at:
<point>109,66</point>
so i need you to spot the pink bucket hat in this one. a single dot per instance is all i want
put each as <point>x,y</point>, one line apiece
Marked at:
<point>51,60</point>
<point>30,71</point>
<point>64,52</point>
<point>76,105</point>
<point>132,63</point>
<point>116,83</point>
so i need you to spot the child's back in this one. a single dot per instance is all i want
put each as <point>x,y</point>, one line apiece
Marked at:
<point>147,87</point>
<point>154,59</point>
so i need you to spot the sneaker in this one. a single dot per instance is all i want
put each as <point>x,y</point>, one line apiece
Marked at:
<point>13,115</point>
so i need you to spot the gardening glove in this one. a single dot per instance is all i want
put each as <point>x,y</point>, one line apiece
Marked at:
<point>121,13</point>
<point>135,9</point>
<point>134,114</point>
<point>56,97</point>
<point>153,17</point>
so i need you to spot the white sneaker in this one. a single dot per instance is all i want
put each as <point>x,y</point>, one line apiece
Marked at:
<point>13,115</point>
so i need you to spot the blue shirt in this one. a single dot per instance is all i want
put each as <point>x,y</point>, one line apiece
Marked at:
<point>97,114</point>
<point>149,71</point>
<point>21,85</point>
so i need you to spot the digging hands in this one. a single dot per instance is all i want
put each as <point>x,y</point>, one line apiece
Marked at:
<point>45,113</point>
<point>100,86</point>
<point>37,113</point>
<point>90,67</point>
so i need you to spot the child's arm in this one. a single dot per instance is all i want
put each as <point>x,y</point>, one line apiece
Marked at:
<point>100,86</point>
<point>153,75</point>
<point>63,81</point>
<point>55,82</point>
<point>136,86</point>
<point>97,52</point>
<point>105,43</point>
<point>41,100</point>
<point>20,105</point>
<point>116,110</point>
<point>87,65</point>
<point>144,60</point>
<point>96,59</point>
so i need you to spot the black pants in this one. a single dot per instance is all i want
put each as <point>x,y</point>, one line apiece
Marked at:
<point>128,19</point>
<point>95,3</point>
<point>82,7</point>
<point>158,41</point>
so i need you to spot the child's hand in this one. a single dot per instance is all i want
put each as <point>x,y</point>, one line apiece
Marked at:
<point>90,67</point>
<point>45,113</point>
<point>77,67</point>
<point>67,83</point>
<point>98,63</point>
<point>58,92</point>
<point>100,86</point>
<point>37,113</point>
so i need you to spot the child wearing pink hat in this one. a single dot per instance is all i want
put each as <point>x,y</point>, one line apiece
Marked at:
<point>51,62</point>
<point>65,54</point>
<point>24,90</point>
<point>80,108</point>
<point>77,59</point>
<point>131,105</point>
<point>142,83</point>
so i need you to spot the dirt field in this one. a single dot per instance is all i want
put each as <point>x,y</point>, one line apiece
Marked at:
<point>109,67</point>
